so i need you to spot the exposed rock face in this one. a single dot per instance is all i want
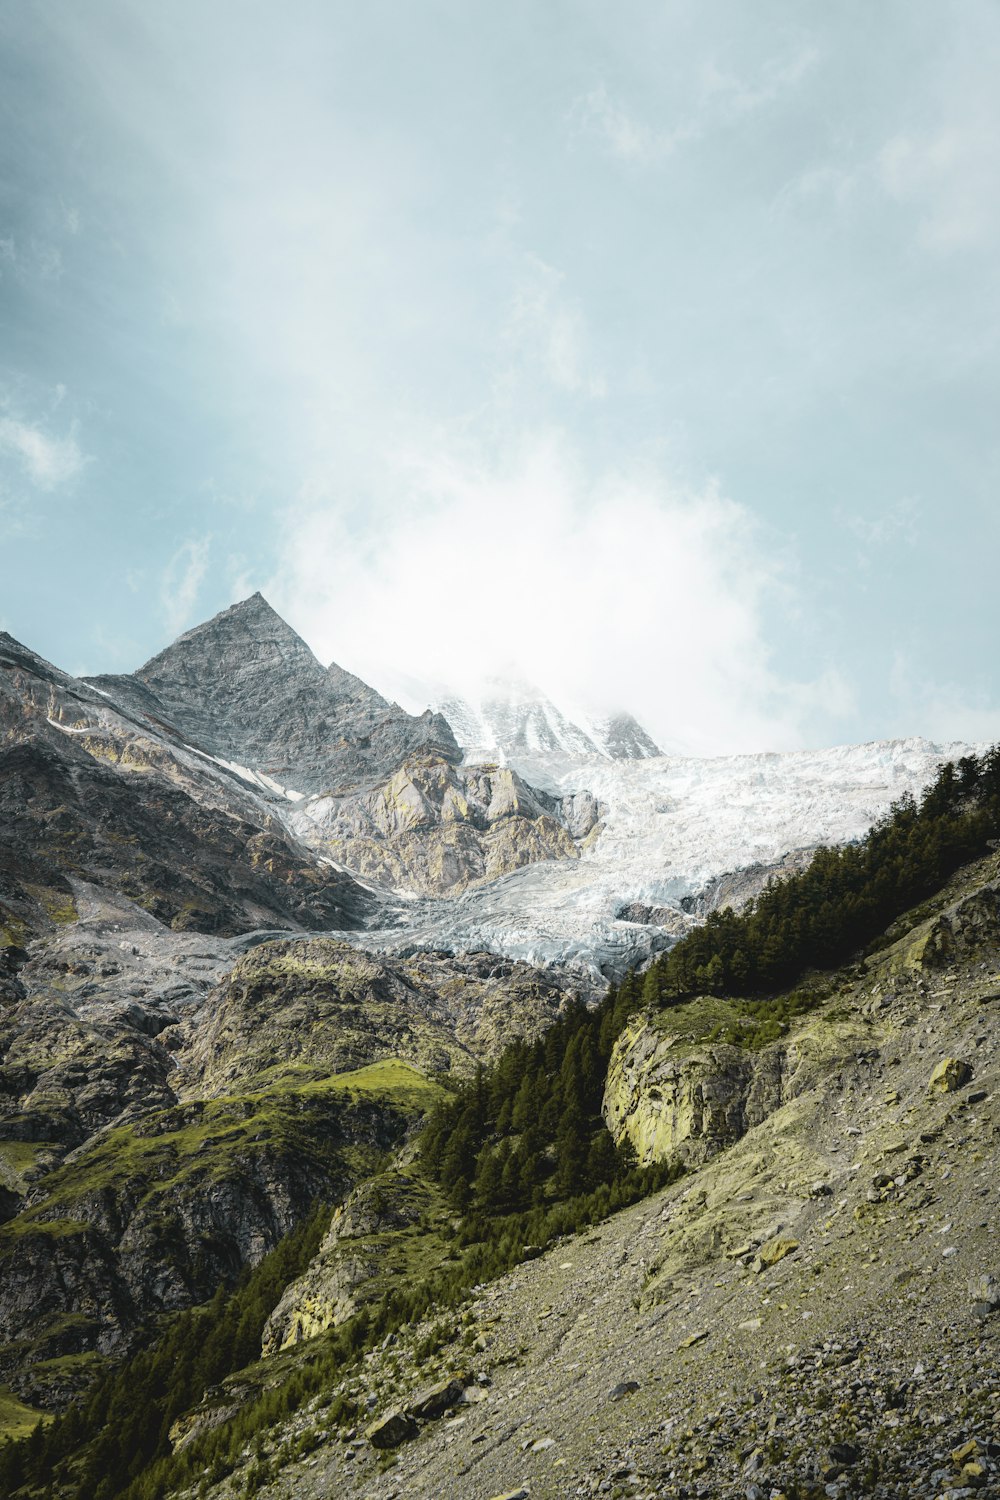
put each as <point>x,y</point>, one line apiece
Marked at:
<point>735,888</point>
<point>189,865</point>
<point>969,926</point>
<point>244,687</point>
<point>362,1255</point>
<point>675,1102</point>
<point>331,1006</point>
<point>517,724</point>
<point>435,828</point>
<point>151,1217</point>
<point>622,737</point>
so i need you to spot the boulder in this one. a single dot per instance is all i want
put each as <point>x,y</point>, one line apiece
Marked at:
<point>394,1428</point>
<point>950,1074</point>
<point>774,1250</point>
<point>434,1400</point>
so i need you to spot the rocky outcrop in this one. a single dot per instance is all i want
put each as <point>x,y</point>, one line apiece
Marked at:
<point>362,1256</point>
<point>679,1102</point>
<point>968,927</point>
<point>88,792</point>
<point>328,1005</point>
<point>436,829</point>
<point>193,867</point>
<point>734,889</point>
<point>151,1217</point>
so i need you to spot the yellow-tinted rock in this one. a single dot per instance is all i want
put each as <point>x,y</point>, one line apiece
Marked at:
<point>768,1255</point>
<point>950,1074</point>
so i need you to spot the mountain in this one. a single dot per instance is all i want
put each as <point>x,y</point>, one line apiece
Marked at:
<point>245,689</point>
<point>268,941</point>
<point>666,830</point>
<point>513,723</point>
<point>89,793</point>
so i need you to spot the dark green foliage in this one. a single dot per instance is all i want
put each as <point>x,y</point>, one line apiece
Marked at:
<point>529,1132</point>
<point>845,899</point>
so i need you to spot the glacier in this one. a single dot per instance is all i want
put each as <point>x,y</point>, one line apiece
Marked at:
<point>669,825</point>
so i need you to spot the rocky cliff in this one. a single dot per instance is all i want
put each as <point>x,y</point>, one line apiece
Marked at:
<point>676,1093</point>
<point>436,829</point>
<point>88,792</point>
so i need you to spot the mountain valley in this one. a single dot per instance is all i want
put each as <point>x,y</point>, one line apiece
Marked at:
<point>264,935</point>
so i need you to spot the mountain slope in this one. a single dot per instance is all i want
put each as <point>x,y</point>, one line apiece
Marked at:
<point>88,792</point>
<point>812,1310</point>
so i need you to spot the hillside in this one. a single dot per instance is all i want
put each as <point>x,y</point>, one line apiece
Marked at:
<point>810,1310</point>
<point>811,1305</point>
<point>311,1098</point>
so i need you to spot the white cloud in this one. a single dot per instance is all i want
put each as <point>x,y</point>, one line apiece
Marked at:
<point>548,333</point>
<point>181,581</point>
<point>896,526</point>
<point>623,134</point>
<point>48,461</point>
<point>619,592</point>
<point>723,99</point>
<point>949,176</point>
<point>732,97</point>
<point>944,168</point>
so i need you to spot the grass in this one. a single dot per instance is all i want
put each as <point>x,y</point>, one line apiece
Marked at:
<point>18,1157</point>
<point>749,1024</point>
<point>16,1419</point>
<point>57,905</point>
<point>178,1149</point>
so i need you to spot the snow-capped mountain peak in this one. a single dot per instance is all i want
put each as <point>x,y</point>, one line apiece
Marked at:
<point>515,723</point>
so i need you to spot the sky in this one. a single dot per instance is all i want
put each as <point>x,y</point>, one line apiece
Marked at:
<point>648,352</point>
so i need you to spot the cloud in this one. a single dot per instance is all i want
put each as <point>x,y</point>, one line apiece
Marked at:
<point>546,332</point>
<point>32,260</point>
<point>622,133</point>
<point>949,177</point>
<point>181,581</point>
<point>732,97</point>
<point>619,592</point>
<point>723,99</point>
<point>47,461</point>
<point>895,526</point>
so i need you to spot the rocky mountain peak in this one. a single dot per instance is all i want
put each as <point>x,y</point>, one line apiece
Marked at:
<point>245,689</point>
<point>251,627</point>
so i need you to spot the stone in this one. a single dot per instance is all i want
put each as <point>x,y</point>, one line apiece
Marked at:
<point>950,1074</point>
<point>394,1428</point>
<point>845,1454</point>
<point>774,1250</point>
<point>962,1454</point>
<point>519,1494</point>
<point>434,1400</point>
<point>985,1288</point>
